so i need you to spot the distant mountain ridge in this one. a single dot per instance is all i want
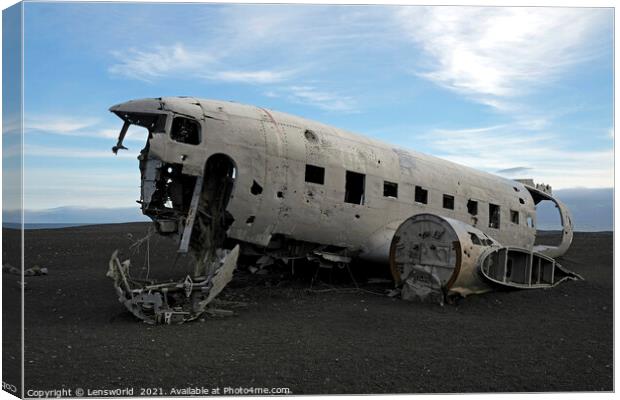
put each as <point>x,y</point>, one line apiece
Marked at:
<point>592,210</point>
<point>76,216</point>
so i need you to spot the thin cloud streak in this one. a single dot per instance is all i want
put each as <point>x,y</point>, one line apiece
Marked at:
<point>176,60</point>
<point>160,61</point>
<point>541,156</point>
<point>513,170</point>
<point>80,127</point>
<point>59,124</point>
<point>72,152</point>
<point>242,41</point>
<point>301,32</point>
<point>493,54</point>
<point>252,77</point>
<point>11,124</point>
<point>315,97</point>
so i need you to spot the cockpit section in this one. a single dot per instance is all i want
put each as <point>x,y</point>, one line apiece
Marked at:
<point>166,187</point>
<point>186,196</point>
<point>159,117</point>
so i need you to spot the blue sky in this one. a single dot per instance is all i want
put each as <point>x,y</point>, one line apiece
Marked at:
<point>523,92</point>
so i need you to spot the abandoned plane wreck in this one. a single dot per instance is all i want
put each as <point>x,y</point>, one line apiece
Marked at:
<point>225,179</point>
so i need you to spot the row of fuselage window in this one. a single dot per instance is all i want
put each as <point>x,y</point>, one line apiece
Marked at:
<point>355,188</point>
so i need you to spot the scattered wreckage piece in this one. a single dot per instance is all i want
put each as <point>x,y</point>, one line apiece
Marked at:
<point>9,269</point>
<point>170,302</point>
<point>434,258</point>
<point>34,271</point>
<point>522,269</point>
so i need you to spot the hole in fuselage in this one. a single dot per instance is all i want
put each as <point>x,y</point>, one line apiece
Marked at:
<point>256,189</point>
<point>548,224</point>
<point>354,188</point>
<point>209,231</point>
<point>315,174</point>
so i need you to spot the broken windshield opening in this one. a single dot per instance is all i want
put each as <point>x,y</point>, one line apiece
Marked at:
<point>152,122</point>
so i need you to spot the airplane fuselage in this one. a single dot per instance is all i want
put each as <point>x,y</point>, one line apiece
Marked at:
<point>302,180</point>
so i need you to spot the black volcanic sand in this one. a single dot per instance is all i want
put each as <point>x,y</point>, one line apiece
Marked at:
<point>320,342</point>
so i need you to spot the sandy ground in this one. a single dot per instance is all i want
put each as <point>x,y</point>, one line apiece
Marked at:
<point>313,342</point>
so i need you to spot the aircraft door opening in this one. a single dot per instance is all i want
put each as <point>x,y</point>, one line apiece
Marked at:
<point>212,219</point>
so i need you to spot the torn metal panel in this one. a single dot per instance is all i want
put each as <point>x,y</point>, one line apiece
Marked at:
<point>171,302</point>
<point>522,269</point>
<point>223,275</point>
<point>191,216</point>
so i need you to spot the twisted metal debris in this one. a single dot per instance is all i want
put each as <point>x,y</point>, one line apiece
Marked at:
<point>171,302</point>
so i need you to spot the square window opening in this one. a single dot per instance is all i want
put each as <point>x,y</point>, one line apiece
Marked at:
<point>514,217</point>
<point>448,202</point>
<point>421,195</point>
<point>472,207</point>
<point>315,174</point>
<point>390,189</point>
<point>494,219</point>
<point>354,188</point>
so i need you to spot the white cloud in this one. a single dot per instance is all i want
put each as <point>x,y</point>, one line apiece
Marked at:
<point>11,124</point>
<point>513,171</point>
<point>160,61</point>
<point>271,26</point>
<point>271,93</point>
<point>79,126</point>
<point>259,44</point>
<point>481,140</point>
<point>493,54</point>
<point>59,124</point>
<point>134,134</point>
<point>72,152</point>
<point>540,156</point>
<point>259,77</point>
<point>299,32</point>
<point>180,61</point>
<point>325,100</point>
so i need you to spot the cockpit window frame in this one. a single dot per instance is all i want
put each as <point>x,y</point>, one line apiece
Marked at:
<point>170,125</point>
<point>131,118</point>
